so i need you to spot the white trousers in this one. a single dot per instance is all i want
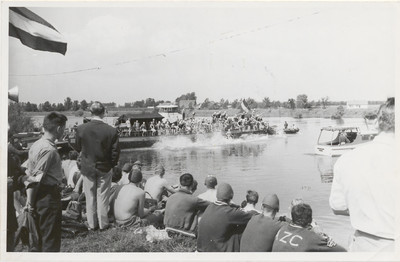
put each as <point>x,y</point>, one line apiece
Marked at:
<point>364,242</point>
<point>97,192</point>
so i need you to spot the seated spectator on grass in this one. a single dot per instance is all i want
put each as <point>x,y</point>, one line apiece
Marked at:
<point>137,165</point>
<point>315,227</point>
<point>157,185</point>
<point>182,207</point>
<point>221,225</point>
<point>297,236</point>
<point>211,193</point>
<point>128,204</point>
<point>260,232</point>
<point>126,170</point>
<point>68,164</point>
<point>249,205</point>
<point>75,173</point>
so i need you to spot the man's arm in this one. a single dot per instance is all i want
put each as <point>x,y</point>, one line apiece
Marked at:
<point>142,212</point>
<point>78,142</point>
<point>239,217</point>
<point>337,199</point>
<point>36,173</point>
<point>45,158</point>
<point>115,149</point>
<point>168,187</point>
<point>202,204</point>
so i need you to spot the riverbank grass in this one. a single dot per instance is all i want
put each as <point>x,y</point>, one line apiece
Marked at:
<point>121,240</point>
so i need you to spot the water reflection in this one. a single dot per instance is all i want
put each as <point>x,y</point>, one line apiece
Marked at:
<point>339,121</point>
<point>243,150</point>
<point>325,167</point>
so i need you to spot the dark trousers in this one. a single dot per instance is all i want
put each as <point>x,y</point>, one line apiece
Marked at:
<point>49,214</point>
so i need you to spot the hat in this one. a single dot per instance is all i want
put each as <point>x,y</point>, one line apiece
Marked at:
<point>224,192</point>
<point>127,167</point>
<point>272,201</point>
<point>211,181</point>
<point>136,176</point>
<point>159,170</point>
<point>138,163</point>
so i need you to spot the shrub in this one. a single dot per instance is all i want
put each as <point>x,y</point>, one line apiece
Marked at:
<point>79,113</point>
<point>18,120</point>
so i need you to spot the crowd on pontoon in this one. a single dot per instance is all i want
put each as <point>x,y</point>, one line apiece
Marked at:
<point>218,122</point>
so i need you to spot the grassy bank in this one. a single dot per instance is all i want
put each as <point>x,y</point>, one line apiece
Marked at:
<point>273,112</point>
<point>121,240</point>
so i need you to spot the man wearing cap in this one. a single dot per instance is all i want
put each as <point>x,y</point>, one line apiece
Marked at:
<point>182,207</point>
<point>128,204</point>
<point>100,153</point>
<point>221,225</point>
<point>298,235</point>
<point>126,170</point>
<point>260,232</point>
<point>157,184</point>
<point>211,193</point>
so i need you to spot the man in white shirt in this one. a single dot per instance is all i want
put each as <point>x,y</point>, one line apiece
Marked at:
<point>211,193</point>
<point>364,187</point>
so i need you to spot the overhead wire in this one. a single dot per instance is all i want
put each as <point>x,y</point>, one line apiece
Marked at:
<point>166,53</point>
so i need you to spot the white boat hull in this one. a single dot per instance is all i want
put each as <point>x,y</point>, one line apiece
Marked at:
<point>335,150</point>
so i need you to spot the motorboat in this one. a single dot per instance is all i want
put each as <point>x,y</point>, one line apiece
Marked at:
<point>291,130</point>
<point>337,140</point>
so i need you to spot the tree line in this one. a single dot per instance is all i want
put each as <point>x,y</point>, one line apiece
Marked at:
<point>301,101</point>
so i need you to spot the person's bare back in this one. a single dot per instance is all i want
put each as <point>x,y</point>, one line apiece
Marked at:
<point>155,186</point>
<point>128,201</point>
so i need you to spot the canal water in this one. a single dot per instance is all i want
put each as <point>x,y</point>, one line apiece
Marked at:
<point>281,164</point>
<point>284,164</point>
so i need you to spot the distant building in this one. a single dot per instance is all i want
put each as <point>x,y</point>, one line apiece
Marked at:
<point>187,103</point>
<point>357,104</point>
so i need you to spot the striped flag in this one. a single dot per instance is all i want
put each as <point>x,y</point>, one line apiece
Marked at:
<point>244,106</point>
<point>35,32</point>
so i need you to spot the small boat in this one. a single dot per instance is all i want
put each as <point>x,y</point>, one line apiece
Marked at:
<point>342,140</point>
<point>291,130</point>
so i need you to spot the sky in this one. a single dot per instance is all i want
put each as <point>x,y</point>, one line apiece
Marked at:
<point>133,51</point>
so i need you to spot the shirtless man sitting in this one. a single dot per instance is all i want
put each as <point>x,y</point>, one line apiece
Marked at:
<point>128,204</point>
<point>157,185</point>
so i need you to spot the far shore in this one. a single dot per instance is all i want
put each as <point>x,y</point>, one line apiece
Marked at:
<point>273,112</point>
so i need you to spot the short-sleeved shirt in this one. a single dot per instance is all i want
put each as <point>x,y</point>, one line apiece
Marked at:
<point>44,163</point>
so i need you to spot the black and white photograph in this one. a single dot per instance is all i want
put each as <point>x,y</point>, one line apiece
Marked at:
<point>191,130</point>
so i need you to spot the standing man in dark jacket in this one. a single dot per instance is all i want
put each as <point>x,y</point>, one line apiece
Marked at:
<point>221,225</point>
<point>100,153</point>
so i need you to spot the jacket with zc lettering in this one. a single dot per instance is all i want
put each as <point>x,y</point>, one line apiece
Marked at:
<point>294,238</point>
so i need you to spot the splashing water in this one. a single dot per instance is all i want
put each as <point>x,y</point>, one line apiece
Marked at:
<point>205,141</point>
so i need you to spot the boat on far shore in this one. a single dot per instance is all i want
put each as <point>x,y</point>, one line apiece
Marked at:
<point>342,140</point>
